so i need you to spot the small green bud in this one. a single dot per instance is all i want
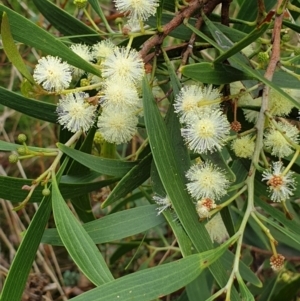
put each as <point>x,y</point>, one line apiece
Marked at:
<point>263,57</point>
<point>13,158</point>
<point>22,138</point>
<point>84,82</point>
<point>118,21</point>
<point>286,37</point>
<point>286,277</point>
<point>21,150</point>
<point>98,138</point>
<point>80,3</point>
<point>46,191</point>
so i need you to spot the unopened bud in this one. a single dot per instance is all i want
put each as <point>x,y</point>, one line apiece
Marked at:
<point>46,191</point>
<point>98,138</point>
<point>263,57</point>
<point>22,138</point>
<point>80,3</point>
<point>13,158</point>
<point>286,37</point>
<point>21,150</point>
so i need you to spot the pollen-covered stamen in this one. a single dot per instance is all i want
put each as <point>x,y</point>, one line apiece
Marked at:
<point>204,206</point>
<point>277,261</point>
<point>276,182</point>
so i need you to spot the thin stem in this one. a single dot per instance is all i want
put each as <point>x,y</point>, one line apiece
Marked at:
<point>226,203</point>
<point>287,169</point>
<point>266,230</point>
<point>79,89</point>
<point>91,20</point>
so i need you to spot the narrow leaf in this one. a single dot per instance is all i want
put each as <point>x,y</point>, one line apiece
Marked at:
<point>31,107</point>
<point>171,177</point>
<point>223,43</point>
<point>251,37</point>
<point>217,74</point>
<point>114,226</point>
<point>149,284</point>
<point>42,40</point>
<point>11,188</point>
<point>104,166</point>
<point>77,242</point>
<point>11,50</point>
<point>133,179</point>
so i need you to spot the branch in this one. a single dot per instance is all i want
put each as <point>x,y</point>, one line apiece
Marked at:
<point>194,5</point>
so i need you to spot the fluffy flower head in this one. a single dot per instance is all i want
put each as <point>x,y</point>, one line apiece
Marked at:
<point>120,95</point>
<point>75,113</point>
<point>117,126</point>
<point>137,9</point>
<point>276,141</point>
<point>207,132</point>
<point>188,101</point>
<point>206,181</point>
<point>103,49</point>
<point>243,147</point>
<point>122,65</point>
<point>52,73</point>
<point>280,186</point>
<point>84,52</point>
<point>279,105</point>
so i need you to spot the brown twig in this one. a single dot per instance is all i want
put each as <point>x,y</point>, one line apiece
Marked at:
<point>225,12</point>
<point>267,252</point>
<point>176,21</point>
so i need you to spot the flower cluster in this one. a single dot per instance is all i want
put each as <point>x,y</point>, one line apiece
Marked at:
<point>121,73</point>
<point>205,127</point>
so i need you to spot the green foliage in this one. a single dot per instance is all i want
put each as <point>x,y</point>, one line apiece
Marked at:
<point>117,195</point>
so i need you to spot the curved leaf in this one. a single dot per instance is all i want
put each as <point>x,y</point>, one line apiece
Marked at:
<point>11,50</point>
<point>149,284</point>
<point>31,107</point>
<point>41,39</point>
<point>171,177</point>
<point>75,239</point>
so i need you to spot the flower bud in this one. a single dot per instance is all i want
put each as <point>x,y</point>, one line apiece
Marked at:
<point>98,138</point>
<point>13,158</point>
<point>21,150</point>
<point>45,191</point>
<point>80,3</point>
<point>263,57</point>
<point>22,138</point>
<point>286,37</point>
<point>118,21</point>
